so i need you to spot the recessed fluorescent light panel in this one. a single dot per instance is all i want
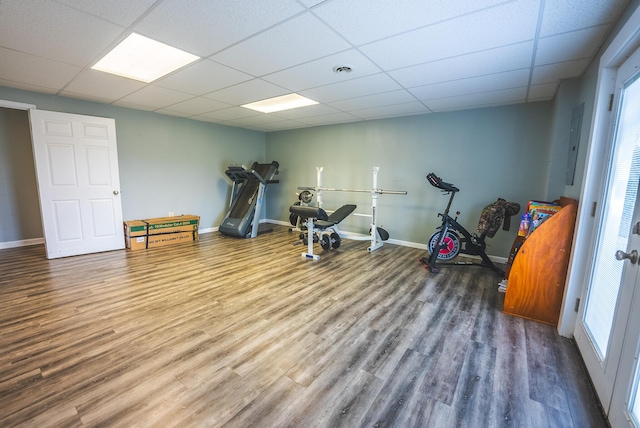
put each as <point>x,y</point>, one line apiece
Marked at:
<point>144,59</point>
<point>284,102</point>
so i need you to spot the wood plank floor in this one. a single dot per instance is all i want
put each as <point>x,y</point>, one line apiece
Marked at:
<point>239,333</point>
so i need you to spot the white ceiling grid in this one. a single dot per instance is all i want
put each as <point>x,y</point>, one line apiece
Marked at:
<point>407,57</point>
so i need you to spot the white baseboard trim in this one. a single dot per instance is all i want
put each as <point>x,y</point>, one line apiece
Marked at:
<point>208,230</point>
<point>410,244</point>
<point>22,243</point>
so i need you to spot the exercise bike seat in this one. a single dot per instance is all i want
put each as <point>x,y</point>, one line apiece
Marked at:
<point>336,217</point>
<point>436,181</point>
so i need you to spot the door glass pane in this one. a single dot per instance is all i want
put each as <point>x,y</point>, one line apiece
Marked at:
<point>615,227</point>
<point>634,405</point>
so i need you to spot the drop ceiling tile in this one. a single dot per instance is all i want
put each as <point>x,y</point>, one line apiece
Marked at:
<point>304,112</point>
<point>508,96</point>
<point>121,12</point>
<point>568,46</point>
<point>363,21</point>
<point>27,87</point>
<point>156,97</point>
<point>293,42</point>
<point>102,85</point>
<point>311,3</point>
<point>203,77</point>
<point>282,126</point>
<point>407,109</point>
<point>491,82</point>
<point>48,29</point>
<point>459,36</point>
<point>320,72</point>
<point>253,120</point>
<point>86,97</point>
<point>134,106</point>
<point>32,70</point>
<point>204,27</point>
<point>171,113</point>
<point>563,70</point>
<point>330,119</point>
<point>352,88</point>
<point>400,96</point>
<point>231,113</point>
<point>491,61</point>
<point>545,91</point>
<point>247,92</point>
<point>196,106</point>
<point>567,15</point>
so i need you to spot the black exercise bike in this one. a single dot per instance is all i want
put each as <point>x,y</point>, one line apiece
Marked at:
<point>451,239</point>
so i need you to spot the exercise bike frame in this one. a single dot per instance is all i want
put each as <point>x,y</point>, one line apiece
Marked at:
<point>468,244</point>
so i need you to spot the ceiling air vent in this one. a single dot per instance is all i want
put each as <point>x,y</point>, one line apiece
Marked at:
<point>342,69</point>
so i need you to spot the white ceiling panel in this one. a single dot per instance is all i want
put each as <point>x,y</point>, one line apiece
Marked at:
<point>33,70</point>
<point>27,87</point>
<point>395,110</point>
<point>558,71</point>
<point>52,30</point>
<point>154,96</point>
<point>172,113</point>
<point>400,96</point>
<point>293,42</point>
<point>352,88</point>
<point>491,82</point>
<point>581,43</point>
<point>203,77</point>
<point>281,125</point>
<point>308,111</point>
<point>197,106</point>
<point>561,16</point>
<point>329,119</point>
<point>231,113</point>
<point>121,12</point>
<point>107,87</point>
<point>469,33</point>
<point>204,27</point>
<point>364,21</point>
<point>485,99</point>
<point>134,106</point>
<point>491,61</point>
<point>407,57</point>
<point>247,92</point>
<point>320,72</point>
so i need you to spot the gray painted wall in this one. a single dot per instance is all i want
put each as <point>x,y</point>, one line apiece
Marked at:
<point>19,209</point>
<point>167,164</point>
<point>488,153</point>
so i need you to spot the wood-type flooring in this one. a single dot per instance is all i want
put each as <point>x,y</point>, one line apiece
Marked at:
<point>229,332</point>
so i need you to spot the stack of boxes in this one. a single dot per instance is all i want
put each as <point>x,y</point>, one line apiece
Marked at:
<point>157,232</point>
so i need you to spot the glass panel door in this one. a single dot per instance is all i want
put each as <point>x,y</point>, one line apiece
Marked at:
<point>622,191</point>
<point>601,327</point>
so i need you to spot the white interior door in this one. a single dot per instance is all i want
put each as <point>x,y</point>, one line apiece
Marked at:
<point>78,182</point>
<point>608,301</point>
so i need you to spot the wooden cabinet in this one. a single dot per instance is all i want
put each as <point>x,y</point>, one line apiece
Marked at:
<point>536,280</point>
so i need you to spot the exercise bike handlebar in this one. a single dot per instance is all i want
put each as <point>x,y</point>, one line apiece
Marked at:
<point>436,181</point>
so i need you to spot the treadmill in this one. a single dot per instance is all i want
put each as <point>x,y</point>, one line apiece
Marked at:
<point>247,196</point>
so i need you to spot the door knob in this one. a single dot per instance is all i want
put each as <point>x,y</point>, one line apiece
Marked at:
<point>632,256</point>
<point>115,192</point>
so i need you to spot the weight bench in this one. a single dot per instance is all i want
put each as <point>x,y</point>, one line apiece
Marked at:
<point>320,226</point>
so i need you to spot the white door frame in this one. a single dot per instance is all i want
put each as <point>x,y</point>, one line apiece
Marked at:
<point>624,43</point>
<point>16,105</point>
